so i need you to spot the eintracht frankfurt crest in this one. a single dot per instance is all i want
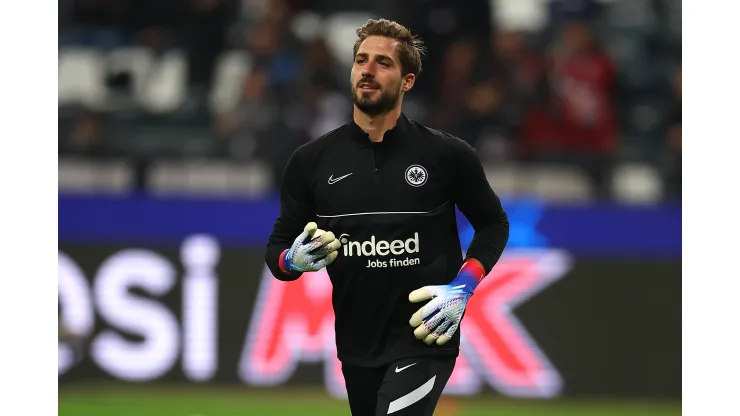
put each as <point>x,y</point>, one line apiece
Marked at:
<point>416,175</point>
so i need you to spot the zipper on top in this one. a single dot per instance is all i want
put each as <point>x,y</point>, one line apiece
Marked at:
<point>376,168</point>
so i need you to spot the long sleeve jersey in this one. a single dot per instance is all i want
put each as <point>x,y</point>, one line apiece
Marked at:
<point>392,206</point>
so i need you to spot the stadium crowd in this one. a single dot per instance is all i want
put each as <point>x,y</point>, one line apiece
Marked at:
<point>593,85</point>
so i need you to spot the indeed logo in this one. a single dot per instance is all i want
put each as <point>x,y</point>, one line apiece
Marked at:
<point>372,247</point>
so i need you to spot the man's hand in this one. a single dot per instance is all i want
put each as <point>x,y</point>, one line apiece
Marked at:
<point>311,251</point>
<point>439,319</point>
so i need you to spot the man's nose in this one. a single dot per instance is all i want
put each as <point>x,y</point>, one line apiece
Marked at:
<point>368,70</point>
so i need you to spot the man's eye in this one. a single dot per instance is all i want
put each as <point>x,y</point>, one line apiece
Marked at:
<point>360,61</point>
<point>385,64</point>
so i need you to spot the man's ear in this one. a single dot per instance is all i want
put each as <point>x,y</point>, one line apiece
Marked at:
<point>408,82</point>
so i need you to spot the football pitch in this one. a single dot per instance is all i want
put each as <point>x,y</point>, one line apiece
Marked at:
<point>230,401</point>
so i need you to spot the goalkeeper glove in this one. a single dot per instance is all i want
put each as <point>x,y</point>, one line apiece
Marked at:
<point>311,251</point>
<point>439,319</point>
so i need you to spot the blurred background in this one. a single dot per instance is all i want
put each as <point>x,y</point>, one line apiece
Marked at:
<point>176,118</point>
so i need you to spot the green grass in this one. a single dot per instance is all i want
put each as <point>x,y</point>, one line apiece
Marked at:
<point>210,401</point>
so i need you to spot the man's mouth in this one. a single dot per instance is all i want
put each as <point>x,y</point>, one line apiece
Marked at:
<point>367,86</point>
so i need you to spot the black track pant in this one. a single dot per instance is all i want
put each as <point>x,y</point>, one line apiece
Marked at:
<point>408,387</point>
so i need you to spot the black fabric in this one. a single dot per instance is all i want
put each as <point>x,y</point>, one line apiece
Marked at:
<point>372,390</point>
<point>392,205</point>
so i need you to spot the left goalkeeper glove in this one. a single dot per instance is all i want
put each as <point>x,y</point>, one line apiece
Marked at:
<point>439,319</point>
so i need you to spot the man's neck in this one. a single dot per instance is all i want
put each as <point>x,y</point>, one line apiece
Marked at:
<point>376,126</point>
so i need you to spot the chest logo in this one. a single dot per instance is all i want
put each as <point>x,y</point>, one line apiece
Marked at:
<point>333,180</point>
<point>416,175</point>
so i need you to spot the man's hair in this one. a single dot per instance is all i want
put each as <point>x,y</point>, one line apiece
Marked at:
<point>410,47</point>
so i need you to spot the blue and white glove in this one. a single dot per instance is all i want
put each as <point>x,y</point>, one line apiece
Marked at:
<point>311,251</point>
<point>439,319</point>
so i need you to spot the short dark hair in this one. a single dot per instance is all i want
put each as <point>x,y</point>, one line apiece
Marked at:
<point>410,47</point>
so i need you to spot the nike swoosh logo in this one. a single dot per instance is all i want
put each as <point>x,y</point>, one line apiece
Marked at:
<point>398,370</point>
<point>333,180</point>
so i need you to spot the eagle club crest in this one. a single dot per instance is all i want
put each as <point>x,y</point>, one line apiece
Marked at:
<point>416,175</point>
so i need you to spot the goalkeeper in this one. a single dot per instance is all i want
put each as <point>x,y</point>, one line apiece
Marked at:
<point>374,202</point>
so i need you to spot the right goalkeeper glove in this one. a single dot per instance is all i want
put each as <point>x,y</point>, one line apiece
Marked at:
<point>309,256</point>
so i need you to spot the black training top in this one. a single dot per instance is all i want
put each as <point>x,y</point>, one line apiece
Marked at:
<point>392,205</point>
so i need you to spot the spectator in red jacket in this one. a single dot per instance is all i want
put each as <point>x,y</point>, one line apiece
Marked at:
<point>577,122</point>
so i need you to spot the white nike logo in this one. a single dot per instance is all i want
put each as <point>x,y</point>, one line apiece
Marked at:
<point>333,181</point>
<point>398,370</point>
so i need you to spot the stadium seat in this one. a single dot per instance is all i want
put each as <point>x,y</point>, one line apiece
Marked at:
<point>520,15</point>
<point>210,178</point>
<point>232,69</point>
<point>165,88</point>
<point>503,178</point>
<point>81,78</point>
<point>555,183</point>
<point>136,61</point>
<point>80,175</point>
<point>634,183</point>
<point>307,26</point>
<point>339,31</point>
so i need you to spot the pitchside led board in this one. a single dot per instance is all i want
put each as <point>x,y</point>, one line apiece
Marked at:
<point>585,300</point>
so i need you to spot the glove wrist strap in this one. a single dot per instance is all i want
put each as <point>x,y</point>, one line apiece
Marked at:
<point>283,264</point>
<point>474,268</point>
<point>471,273</point>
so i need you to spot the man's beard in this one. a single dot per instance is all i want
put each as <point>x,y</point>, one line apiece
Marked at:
<point>380,105</point>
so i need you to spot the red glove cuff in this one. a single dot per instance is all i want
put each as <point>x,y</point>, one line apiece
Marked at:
<point>474,268</point>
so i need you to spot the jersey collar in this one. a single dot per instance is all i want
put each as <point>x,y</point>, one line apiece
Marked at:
<point>393,135</point>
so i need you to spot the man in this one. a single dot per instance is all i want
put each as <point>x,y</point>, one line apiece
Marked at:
<point>385,188</point>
